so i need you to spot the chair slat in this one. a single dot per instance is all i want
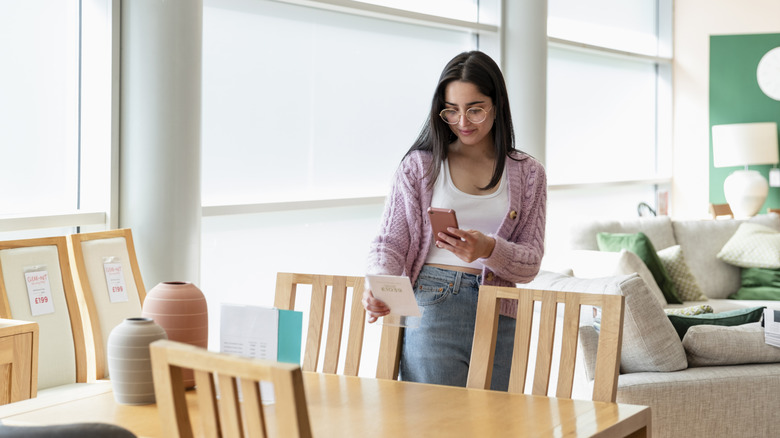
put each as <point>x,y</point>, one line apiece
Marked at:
<point>357,325</point>
<point>568,359</point>
<point>207,400</point>
<point>230,411</point>
<point>311,353</point>
<point>544,351</point>
<point>484,347</point>
<point>522,345</point>
<point>338,302</point>
<point>254,416</point>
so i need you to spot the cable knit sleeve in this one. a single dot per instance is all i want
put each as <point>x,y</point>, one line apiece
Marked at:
<point>519,248</point>
<point>396,244</point>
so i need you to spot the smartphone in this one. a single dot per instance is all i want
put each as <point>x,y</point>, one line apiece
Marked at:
<point>441,218</point>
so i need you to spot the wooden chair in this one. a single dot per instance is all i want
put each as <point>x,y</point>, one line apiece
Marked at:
<point>89,255</point>
<point>62,356</point>
<point>223,415</point>
<point>609,346</point>
<point>389,350</point>
<point>721,210</point>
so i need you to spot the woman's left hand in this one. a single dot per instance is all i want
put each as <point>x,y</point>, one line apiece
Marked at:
<point>470,246</point>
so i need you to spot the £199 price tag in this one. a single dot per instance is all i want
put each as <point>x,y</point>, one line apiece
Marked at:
<point>115,280</point>
<point>39,292</point>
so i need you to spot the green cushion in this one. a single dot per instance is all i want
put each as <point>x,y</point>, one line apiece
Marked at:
<point>758,284</point>
<point>752,246</point>
<point>640,245</point>
<point>681,323</point>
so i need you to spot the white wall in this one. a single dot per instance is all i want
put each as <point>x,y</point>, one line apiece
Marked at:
<point>695,21</point>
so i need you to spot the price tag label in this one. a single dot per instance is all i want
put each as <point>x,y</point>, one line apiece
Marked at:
<point>115,280</point>
<point>39,292</point>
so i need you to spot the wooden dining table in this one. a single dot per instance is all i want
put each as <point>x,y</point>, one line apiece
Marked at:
<point>341,406</point>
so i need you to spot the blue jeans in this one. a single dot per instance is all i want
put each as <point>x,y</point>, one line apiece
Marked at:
<point>439,350</point>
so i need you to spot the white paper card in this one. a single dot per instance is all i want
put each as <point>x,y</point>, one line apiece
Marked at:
<point>115,280</point>
<point>771,323</point>
<point>39,292</point>
<point>250,331</point>
<point>396,291</point>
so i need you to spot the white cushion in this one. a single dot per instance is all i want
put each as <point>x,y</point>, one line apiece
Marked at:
<point>595,264</point>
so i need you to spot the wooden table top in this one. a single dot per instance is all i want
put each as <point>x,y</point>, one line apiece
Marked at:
<point>341,406</point>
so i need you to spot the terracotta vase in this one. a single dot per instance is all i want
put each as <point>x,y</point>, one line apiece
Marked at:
<point>129,361</point>
<point>180,308</point>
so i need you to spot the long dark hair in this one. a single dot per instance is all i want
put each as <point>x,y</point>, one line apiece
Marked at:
<point>479,69</point>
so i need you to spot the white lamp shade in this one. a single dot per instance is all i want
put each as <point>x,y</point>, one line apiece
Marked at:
<point>743,144</point>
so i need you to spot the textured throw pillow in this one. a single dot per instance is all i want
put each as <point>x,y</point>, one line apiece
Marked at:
<point>596,264</point>
<point>640,245</point>
<point>649,340</point>
<point>758,284</point>
<point>684,282</point>
<point>708,345</point>
<point>752,246</point>
<point>682,323</point>
<point>691,310</point>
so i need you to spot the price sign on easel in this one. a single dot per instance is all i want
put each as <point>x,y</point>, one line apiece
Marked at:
<point>39,292</point>
<point>115,280</point>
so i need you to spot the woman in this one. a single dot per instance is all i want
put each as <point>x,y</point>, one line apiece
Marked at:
<point>464,159</point>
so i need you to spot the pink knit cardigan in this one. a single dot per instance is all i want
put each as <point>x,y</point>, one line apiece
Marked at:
<point>404,237</point>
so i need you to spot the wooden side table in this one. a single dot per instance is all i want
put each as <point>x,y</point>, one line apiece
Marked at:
<point>18,360</point>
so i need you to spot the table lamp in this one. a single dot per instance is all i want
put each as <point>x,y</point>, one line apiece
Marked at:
<point>743,144</point>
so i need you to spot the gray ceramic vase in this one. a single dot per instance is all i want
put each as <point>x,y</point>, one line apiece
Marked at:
<point>129,360</point>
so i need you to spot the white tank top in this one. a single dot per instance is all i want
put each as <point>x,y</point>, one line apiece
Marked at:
<point>474,212</point>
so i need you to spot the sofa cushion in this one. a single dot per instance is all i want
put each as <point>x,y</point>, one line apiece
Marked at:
<point>759,284</point>
<point>650,342</point>
<point>687,287</point>
<point>682,323</point>
<point>708,345</point>
<point>752,246</point>
<point>639,244</point>
<point>595,264</point>
<point>701,240</point>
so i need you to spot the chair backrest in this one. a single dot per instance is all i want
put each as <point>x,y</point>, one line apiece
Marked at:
<point>226,375</point>
<point>62,356</point>
<point>389,351</point>
<point>609,347</point>
<point>721,210</point>
<point>97,259</point>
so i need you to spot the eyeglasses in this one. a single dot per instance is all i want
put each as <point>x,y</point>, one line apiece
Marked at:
<point>473,115</point>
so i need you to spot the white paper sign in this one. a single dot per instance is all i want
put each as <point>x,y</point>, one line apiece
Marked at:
<point>252,332</point>
<point>249,331</point>
<point>396,291</point>
<point>115,280</point>
<point>39,292</point>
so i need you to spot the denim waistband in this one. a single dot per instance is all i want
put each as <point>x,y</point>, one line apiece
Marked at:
<point>451,276</point>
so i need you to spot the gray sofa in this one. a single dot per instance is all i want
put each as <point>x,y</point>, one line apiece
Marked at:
<point>737,400</point>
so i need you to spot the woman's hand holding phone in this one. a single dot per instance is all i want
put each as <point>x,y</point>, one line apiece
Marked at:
<point>467,245</point>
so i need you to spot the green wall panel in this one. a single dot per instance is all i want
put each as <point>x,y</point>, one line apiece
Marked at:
<point>735,97</point>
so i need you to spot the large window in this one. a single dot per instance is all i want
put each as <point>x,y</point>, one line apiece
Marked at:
<point>55,116</point>
<point>39,43</point>
<point>608,112</point>
<point>302,103</point>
